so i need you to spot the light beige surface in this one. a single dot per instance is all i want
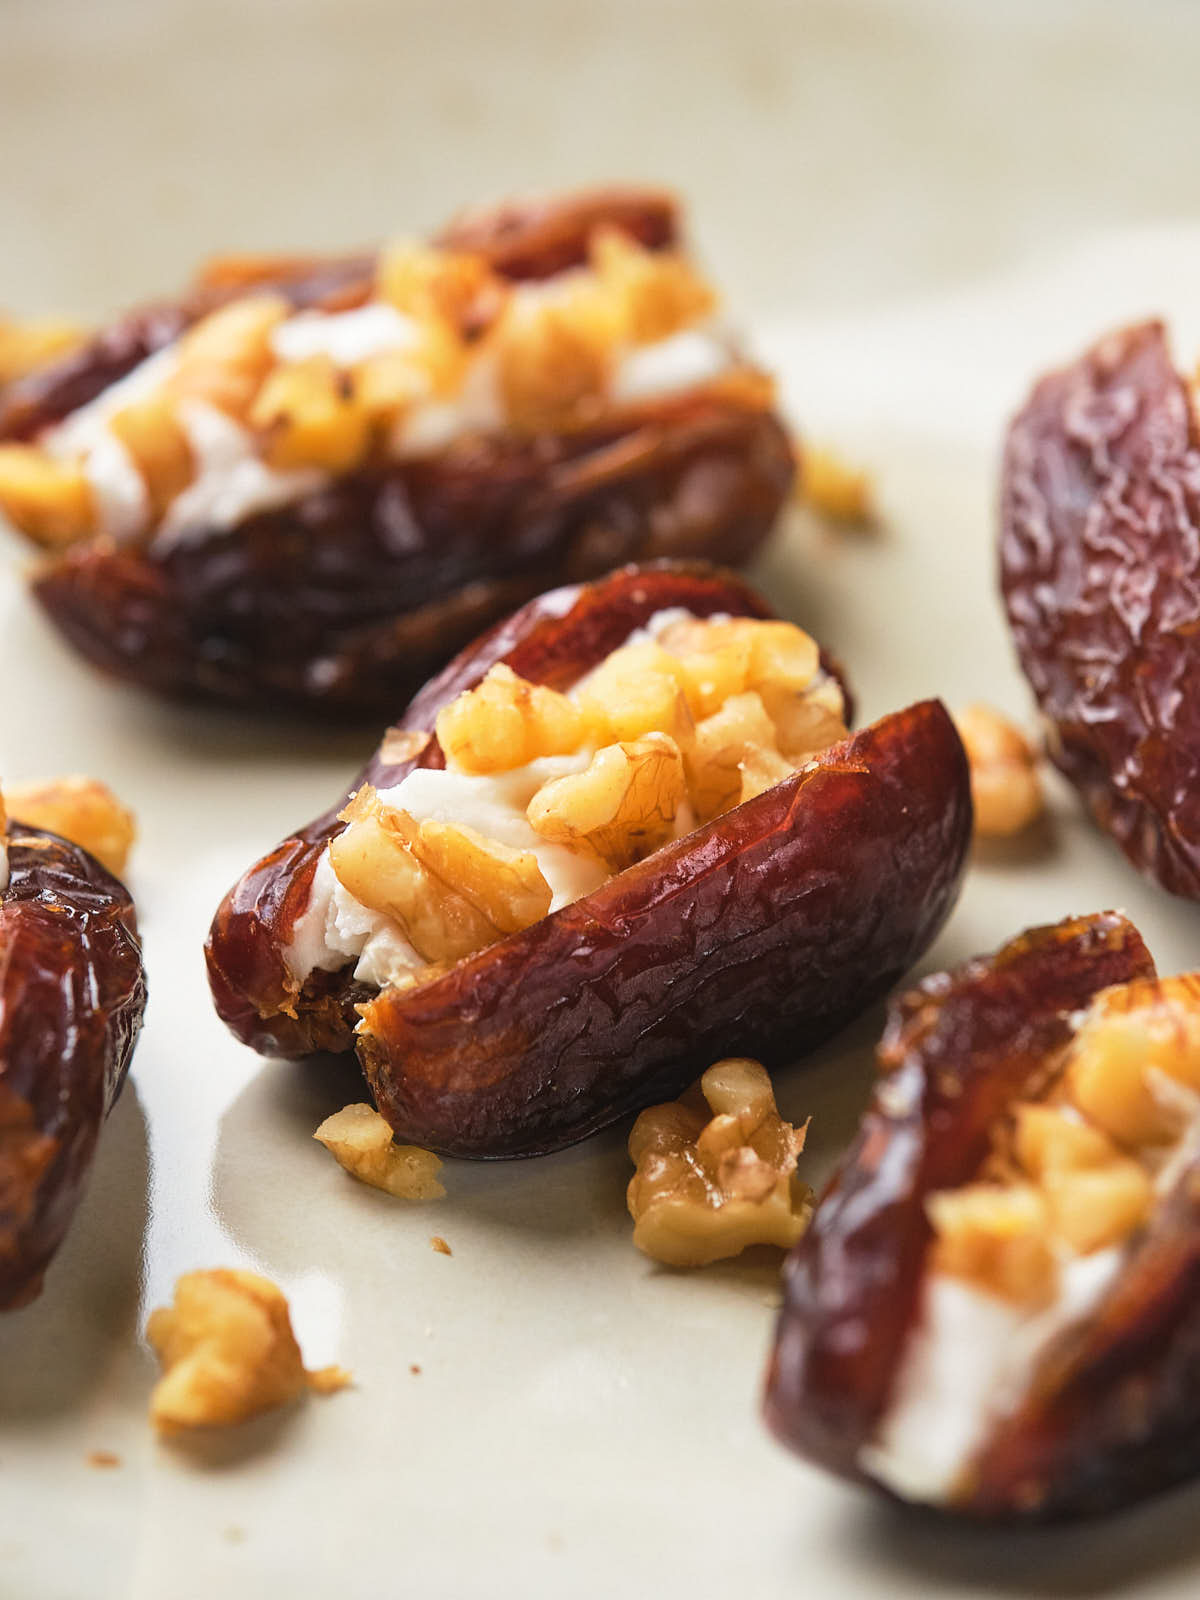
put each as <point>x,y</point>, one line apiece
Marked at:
<point>583,1423</point>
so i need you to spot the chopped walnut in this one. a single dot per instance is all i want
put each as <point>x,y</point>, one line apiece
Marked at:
<point>224,358</point>
<point>506,722</point>
<point>1004,780</point>
<point>309,415</point>
<point>636,690</point>
<point>26,346</point>
<point>554,358</point>
<point>362,1142</point>
<point>452,890</point>
<point>453,287</point>
<point>439,1245</point>
<point>159,447</point>
<point>705,1191</point>
<point>658,292</point>
<point>228,1352</point>
<point>79,809</point>
<point>1133,1036</point>
<point>622,806</point>
<point>739,733</point>
<point>49,500</point>
<point>833,488</point>
<point>996,1236</point>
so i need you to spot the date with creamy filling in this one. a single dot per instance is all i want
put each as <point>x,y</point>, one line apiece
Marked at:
<point>546,795</point>
<point>257,405</point>
<point>1027,1254</point>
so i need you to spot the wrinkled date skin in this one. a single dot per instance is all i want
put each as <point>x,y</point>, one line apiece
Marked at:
<point>347,600</point>
<point>761,932</point>
<point>72,993</point>
<point>1100,568</point>
<point>1112,1413</point>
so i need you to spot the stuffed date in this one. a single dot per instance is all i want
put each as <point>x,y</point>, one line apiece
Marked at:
<point>310,482</point>
<point>72,992</point>
<point>1100,568</point>
<point>996,1310</point>
<point>623,834</point>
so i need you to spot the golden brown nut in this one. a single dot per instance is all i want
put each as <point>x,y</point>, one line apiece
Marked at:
<point>707,1190</point>
<point>361,1141</point>
<point>79,809</point>
<point>835,489</point>
<point>223,358</point>
<point>310,415</point>
<point>159,447</point>
<point>656,292</point>
<point>26,346</point>
<point>506,722</point>
<point>1005,787</point>
<point>622,806</point>
<point>996,1236</point>
<point>48,499</point>
<point>228,1352</point>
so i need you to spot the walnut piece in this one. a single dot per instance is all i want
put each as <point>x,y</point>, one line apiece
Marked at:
<point>309,415</point>
<point>224,358</point>
<point>506,722</point>
<point>833,488</point>
<point>1005,787</point>
<point>79,809</point>
<point>47,499</point>
<point>362,1142</point>
<point>704,1191</point>
<point>228,1352</point>
<point>622,806</point>
<point>26,346</point>
<point>156,441</point>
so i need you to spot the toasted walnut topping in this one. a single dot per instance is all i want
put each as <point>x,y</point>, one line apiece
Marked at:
<point>228,1352</point>
<point>427,284</point>
<point>707,1190</point>
<point>622,806</point>
<point>996,1237</point>
<point>224,357</point>
<point>26,346</point>
<point>1005,786</point>
<point>739,732</point>
<point>361,1141</point>
<point>506,722</point>
<point>79,809</point>
<point>159,447</point>
<point>554,360</point>
<point>451,890</point>
<point>638,689</point>
<point>1130,1037</point>
<point>657,292</point>
<point>310,416</point>
<point>834,488</point>
<point>48,499</point>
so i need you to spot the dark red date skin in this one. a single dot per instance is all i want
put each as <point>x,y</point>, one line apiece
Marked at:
<point>1113,1412</point>
<point>72,993</point>
<point>762,932</point>
<point>1100,570</point>
<point>347,600</point>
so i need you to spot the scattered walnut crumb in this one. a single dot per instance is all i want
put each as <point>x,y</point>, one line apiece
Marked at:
<point>361,1141</point>
<point>228,1352</point>
<point>103,1458</point>
<point>705,1191</point>
<point>833,488</point>
<point>1005,786</point>
<point>79,809</point>
<point>439,1244</point>
<point>415,1370</point>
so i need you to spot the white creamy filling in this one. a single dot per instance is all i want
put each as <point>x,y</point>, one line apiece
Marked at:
<point>231,480</point>
<point>335,928</point>
<point>968,1364</point>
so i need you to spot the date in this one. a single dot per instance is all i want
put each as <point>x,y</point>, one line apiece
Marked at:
<point>72,993</point>
<point>994,1311</point>
<point>818,878</point>
<point>1099,563</point>
<point>407,496</point>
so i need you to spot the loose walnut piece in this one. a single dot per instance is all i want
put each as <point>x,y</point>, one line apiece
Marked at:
<point>1005,787</point>
<point>228,1352</point>
<point>704,1191</point>
<point>835,489</point>
<point>623,806</point>
<point>362,1143</point>
<point>79,809</point>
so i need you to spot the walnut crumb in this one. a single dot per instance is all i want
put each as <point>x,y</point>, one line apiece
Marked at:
<point>439,1244</point>
<point>415,1370</point>
<point>835,489</point>
<point>228,1352</point>
<point>361,1141</point>
<point>103,1459</point>
<point>1005,785</point>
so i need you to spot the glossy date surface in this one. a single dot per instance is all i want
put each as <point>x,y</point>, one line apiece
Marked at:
<point>349,598</point>
<point>1110,1413</point>
<point>762,931</point>
<point>1100,569</point>
<point>72,993</point>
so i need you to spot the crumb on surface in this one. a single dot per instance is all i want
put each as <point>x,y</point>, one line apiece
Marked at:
<point>103,1458</point>
<point>228,1352</point>
<point>439,1244</point>
<point>361,1141</point>
<point>415,1370</point>
<point>834,488</point>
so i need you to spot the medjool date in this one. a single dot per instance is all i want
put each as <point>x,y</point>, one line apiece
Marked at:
<point>995,1310</point>
<point>72,992</point>
<point>310,482</point>
<point>1100,568</point>
<point>739,872</point>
